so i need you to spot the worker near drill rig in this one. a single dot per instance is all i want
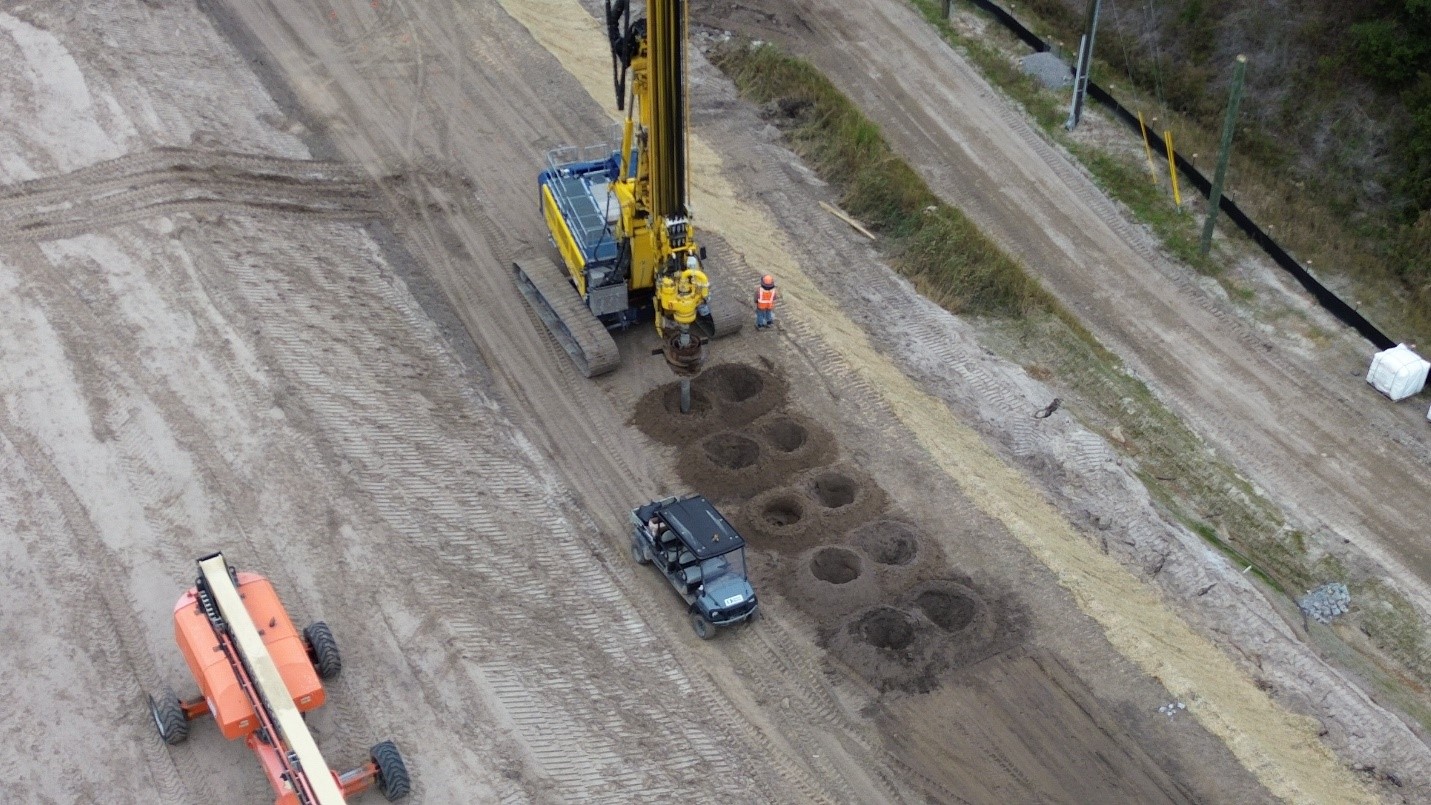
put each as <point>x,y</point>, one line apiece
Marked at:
<point>765,303</point>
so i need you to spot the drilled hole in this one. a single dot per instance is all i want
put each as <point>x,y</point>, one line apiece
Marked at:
<point>731,451</point>
<point>888,542</point>
<point>786,435</point>
<point>887,627</point>
<point>950,611</point>
<point>783,512</point>
<point>834,490</point>
<point>835,565</point>
<point>734,383</point>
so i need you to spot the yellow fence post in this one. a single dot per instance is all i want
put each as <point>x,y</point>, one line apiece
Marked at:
<point>1173,168</point>
<point>1148,150</point>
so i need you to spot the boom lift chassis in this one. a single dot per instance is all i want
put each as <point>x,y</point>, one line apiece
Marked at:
<point>257,677</point>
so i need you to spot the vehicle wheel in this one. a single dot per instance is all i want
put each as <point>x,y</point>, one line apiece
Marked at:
<point>704,629</point>
<point>393,780</point>
<point>323,650</point>
<point>169,718</point>
<point>640,552</point>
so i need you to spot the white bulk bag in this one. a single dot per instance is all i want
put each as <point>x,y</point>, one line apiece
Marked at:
<point>1398,372</point>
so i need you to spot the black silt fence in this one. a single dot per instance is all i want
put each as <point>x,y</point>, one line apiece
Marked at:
<point>1328,300</point>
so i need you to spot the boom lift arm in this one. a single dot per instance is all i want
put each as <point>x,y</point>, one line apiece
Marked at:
<point>257,678</point>
<point>660,233</point>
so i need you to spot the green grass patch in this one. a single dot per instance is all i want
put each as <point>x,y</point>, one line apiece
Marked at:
<point>933,244</point>
<point>1383,259</point>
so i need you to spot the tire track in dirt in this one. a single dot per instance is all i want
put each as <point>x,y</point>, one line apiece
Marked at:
<point>759,672</point>
<point>170,182</point>
<point>144,427</point>
<point>491,232</point>
<point>480,296</point>
<point>104,614</point>
<point>424,459</point>
<point>1270,411</point>
<point>299,316</point>
<point>125,449</point>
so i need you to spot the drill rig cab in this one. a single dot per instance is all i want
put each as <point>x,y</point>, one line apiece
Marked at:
<point>619,217</point>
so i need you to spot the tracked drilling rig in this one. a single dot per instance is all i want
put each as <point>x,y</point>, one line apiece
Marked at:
<point>620,219</point>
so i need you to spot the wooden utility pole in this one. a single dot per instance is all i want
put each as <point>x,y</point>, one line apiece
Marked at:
<point>1214,198</point>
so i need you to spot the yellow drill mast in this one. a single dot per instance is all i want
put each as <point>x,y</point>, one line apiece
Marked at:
<point>621,221</point>
<point>655,215</point>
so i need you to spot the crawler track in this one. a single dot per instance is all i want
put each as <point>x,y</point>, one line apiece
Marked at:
<point>561,308</point>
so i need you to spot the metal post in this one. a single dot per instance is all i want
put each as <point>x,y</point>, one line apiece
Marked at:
<point>1085,60</point>
<point>1214,198</point>
<point>947,3</point>
<point>1172,167</point>
<point>1148,149</point>
<point>685,395</point>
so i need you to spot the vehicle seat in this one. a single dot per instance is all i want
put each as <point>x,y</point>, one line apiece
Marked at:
<point>691,576</point>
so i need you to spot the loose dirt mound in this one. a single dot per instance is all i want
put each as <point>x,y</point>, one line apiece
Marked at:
<point>924,632</point>
<point>879,589</point>
<point>734,465</point>
<point>889,542</point>
<point>728,395</point>
<point>815,507</point>
<point>893,648</point>
<point>830,582</point>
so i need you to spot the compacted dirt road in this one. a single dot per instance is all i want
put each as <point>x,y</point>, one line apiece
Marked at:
<point>257,297</point>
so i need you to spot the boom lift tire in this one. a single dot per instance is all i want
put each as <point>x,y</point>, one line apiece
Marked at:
<point>323,650</point>
<point>393,779</point>
<point>703,628</point>
<point>169,719</point>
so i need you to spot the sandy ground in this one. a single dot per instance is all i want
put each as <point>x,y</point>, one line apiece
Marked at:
<point>257,297</point>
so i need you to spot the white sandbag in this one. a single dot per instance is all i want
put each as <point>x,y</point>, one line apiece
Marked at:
<point>1398,372</point>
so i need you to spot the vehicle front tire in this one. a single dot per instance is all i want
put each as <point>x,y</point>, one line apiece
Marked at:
<point>393,780</point>
<point>169,718</point>
<point>703,628</point>
<point>323,650</point>
<point>640,552</point>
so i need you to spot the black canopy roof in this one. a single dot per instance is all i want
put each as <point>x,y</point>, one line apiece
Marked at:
<point>703,530</point>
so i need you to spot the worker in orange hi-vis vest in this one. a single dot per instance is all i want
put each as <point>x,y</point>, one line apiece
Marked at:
<point>765,303</point>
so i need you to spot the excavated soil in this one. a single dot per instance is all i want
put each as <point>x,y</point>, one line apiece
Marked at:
<point>886,602</point>
<point>727,395</point>
<point>890,542</point>
<point>731,466</point>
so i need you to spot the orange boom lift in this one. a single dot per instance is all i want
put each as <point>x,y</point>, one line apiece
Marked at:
<point>257,677</point>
